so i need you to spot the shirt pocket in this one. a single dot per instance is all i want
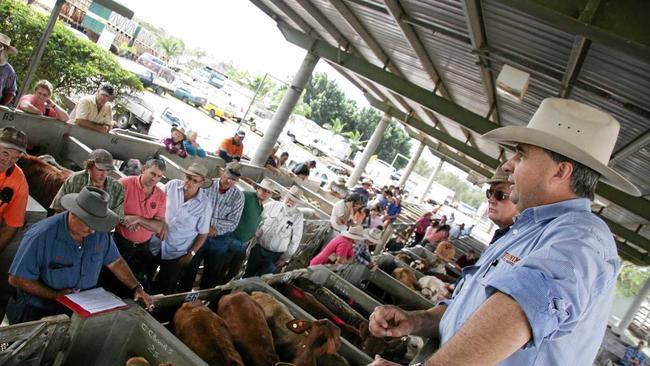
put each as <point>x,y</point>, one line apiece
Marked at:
<point>63,277</point>
<point>496,268</point>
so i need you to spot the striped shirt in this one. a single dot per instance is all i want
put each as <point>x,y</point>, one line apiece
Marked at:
<point>226,207</point>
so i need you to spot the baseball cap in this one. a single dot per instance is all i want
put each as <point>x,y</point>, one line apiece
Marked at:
<point>106,89</point>
<point>103,159</point>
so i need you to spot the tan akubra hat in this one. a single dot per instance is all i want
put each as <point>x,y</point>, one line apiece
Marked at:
<point>499,176</point>
<point>573,129</point>
<point>6,41</point>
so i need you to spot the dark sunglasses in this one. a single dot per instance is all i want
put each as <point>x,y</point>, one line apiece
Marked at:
<point>498,195</point>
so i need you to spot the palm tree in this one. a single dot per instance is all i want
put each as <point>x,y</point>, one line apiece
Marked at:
<point>356,143</point>
<point>336,126</point>
<point>172,47</point>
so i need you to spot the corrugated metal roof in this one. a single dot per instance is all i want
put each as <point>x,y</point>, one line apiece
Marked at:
<point>615,82</point>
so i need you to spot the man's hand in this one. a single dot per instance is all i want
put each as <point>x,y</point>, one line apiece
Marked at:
<point>280,263</point>
<point>140,294</point>
<point>372,267</point>
<point>390,321</point>
<point>186,259</point>
<point>378,361</point>
<point>212,232</point>
<point>163,232</point>
<point>131,222</point>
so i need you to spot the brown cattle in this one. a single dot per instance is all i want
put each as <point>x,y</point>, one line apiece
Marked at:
<point>44,179</point>
<point>137,361</point>
<point>206,333</point>
<point>323,338</point>
<point>309,303</point>
<point>407,277</point>
<point>250,332</point>
<point>277,316</point>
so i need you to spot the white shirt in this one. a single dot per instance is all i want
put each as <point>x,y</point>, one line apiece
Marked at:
<point>338,211</point>
<point>281,229</point>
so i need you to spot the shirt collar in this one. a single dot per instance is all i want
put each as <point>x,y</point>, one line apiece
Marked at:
<point>553,210</point>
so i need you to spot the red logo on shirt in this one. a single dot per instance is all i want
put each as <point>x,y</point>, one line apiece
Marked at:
<point>153,205</point>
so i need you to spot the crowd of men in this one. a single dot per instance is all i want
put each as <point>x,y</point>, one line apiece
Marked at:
<point>540,294</point>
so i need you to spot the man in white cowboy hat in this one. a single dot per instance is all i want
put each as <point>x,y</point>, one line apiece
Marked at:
<point>7,73</point>
<point>362,251</point>
<point>363,189</point>
<point>95,111</point>
<point>227,204</point>
<point>278,236</point>
<point>341,248</point>
<point>542,293</point>
<point>95,174</point>
<point>65,253</point>
<point>187,213</point>
<point>251,217</point>
<point>501,209</point>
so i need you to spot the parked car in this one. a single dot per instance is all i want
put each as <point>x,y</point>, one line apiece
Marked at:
<point>161,125</point>
<point>191,95</point>
<point>134,112</point>
<point>145,75</point>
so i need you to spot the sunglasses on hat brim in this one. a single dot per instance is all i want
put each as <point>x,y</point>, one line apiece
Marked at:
<point>498,195</point>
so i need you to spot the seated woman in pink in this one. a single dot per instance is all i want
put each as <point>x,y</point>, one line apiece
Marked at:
<point>340,249</point>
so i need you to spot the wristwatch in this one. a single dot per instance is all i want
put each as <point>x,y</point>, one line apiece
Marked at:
<point>193,253</point>
<point>136,287</point>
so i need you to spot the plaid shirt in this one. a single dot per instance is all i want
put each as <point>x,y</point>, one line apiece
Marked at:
<point>361,253</point>
<point>81,179</point>
<point>226,207</point>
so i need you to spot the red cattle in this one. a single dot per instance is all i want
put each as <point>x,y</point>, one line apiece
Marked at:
<point>277,316</point>
<point>206,333</point>
<point>250,332</point>
<point>407,277</point>
<point>323,338</point>
<point>319,311</point>
<point>44,179</point>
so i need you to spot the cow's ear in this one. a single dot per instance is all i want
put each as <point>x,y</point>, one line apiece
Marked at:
<point>299,326</point>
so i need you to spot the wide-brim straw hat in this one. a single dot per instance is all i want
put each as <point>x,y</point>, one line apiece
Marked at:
<point>6,41</point>
<point>179,129</point>
<point>267,185</point>
<point>373,235</point>
<point>499,176</point>
<point>199,170</point>
<point>580,132</point>
<point>91,206</point>
<point>354,233</point>
<point>294,193</point>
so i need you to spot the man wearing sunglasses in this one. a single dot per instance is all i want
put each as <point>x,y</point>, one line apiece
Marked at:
<point>542,294</point>
<point>501,210</point>
<point>95,174</point>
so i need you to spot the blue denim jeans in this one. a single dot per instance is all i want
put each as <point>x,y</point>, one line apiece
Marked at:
<point>212,253</point>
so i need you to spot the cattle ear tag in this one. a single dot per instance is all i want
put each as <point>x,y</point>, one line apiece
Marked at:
<point>297,326</point>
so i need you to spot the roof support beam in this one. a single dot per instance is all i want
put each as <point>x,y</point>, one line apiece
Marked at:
<point>579,50</point>
<point>629,149</point>
<point>471,8</point>
<point>629,236</point>
<point>637,205</point>
<point>429,130</point>
<point>624,29</point>
<point>414,41</point>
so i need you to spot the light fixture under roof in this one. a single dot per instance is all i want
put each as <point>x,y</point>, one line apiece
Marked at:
<point>513,83</point>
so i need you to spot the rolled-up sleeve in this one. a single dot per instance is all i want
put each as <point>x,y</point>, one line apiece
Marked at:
<point>554,284</point>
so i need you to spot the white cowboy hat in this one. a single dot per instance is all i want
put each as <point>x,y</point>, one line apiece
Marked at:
<point>199,170</point>
<point>578,131</point>
<point>354,233</point>
<point>267,185</point>
<point>373,235</point>
<point>6,41</point>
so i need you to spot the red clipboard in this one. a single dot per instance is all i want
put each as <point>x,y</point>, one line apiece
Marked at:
<point>84,312</point>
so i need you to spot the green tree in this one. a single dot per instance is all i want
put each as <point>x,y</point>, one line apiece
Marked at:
<point>356,144</point>
<point>336,126</point>
<point>71,64</point>
<point>465,192</point>
<point>631,279</point>
<point>423,168</point>
<point>171,47</point>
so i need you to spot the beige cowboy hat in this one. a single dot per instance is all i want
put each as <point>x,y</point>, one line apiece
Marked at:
<point>91,206</point>
<point>373,235</point>
<point>199,170</point>
<point>499,176</point>
<point>6,41</point>
<point>267,185</point>
<point>294,193</point>
<point>354,233</point>
<point>179,129</point>
<point>575,130</point>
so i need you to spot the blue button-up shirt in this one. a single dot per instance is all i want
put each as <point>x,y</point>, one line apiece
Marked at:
<point>48,254</point>
<point>559,262</point>
<point>185,220</point>
<point>632,354</point>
